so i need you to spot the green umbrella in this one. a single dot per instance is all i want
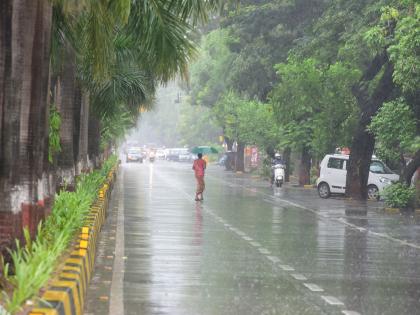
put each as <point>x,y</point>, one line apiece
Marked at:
<point>204,150</point>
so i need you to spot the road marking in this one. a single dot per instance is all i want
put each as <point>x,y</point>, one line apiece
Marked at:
<point>274,259</point>
<point>332,300</point>
<point>313,287</point>
<point>286,268</point>
<point>298,276</point>
<point>350,313</point>
<point>324,216</point>
<point>264,251</point>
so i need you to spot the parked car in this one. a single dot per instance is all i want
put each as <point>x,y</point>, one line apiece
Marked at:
<point>172,155</point>
<point>333,174</point>
<point>184,155</point>
<point>160,154</point>
<point>134,154</point>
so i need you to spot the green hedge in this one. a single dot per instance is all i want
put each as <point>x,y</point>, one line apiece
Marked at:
<point>34,262</point>
<point>399,195</point>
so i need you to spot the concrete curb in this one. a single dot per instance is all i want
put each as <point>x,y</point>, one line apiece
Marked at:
<point>392,210</point>
<point>67,291</point>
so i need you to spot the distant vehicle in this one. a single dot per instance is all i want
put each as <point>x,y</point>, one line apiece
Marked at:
<point>184,155</point>
<point>134,154</point>
<point>222,161</point>
<point>172,155</point>
<point>333,174</point>
<point>160,154</point>
<point>152,156</point>
<point>278,174</point>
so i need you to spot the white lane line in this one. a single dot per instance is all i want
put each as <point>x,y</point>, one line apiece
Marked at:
<point>264,251</point>
<point>313,287</point>
<point>247,238</point>
<point>298,276</point>
<point>345,312</point>
<point>332,300</point>
<point>326,216</point>
<point>287,268</point>
<point>274,259</point>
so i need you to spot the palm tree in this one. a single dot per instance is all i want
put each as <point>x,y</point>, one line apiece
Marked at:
<point>153,40</point>
<point>107,55</point>
<point>24,68</point>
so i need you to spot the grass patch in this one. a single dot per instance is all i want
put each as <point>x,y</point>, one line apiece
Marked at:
<point>34,263</point>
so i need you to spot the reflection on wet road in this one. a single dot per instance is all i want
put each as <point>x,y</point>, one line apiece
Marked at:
<point>249,249</point>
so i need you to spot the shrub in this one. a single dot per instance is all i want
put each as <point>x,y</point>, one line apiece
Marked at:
<point>399,195</point>
<point>34,262</point>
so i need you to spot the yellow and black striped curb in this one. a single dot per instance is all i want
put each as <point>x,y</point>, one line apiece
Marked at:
<point>66,293</point>
<point>392,210</point>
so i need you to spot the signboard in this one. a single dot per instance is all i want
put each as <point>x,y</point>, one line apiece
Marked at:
<point>251,158</point>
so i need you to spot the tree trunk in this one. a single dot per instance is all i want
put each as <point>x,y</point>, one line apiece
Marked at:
<point>411,168</point>
<point>286,158</point>
<point>65,106</point>
<point>229,143</point>
<point>5,16</point>
<point>239,160</point>
<point>94,140</point>
<point>77,106</point>
<point>305,167</point>
<point>363,141</point>
<point>82,157</point>
<point>25,28</point>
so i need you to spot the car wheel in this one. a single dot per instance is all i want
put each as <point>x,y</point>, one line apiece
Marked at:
<point>373,192</point>
<point>324,190</point>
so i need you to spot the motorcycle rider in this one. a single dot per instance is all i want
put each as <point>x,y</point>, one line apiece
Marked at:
<point>277,160</point>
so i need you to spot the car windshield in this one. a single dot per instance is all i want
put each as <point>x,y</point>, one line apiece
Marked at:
<point>378,167</point>
<point>134,151</point>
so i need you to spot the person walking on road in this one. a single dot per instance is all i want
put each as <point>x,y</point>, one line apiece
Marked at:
<point>199,166</point>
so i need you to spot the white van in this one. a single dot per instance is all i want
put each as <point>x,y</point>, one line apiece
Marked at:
<point>333,174</point>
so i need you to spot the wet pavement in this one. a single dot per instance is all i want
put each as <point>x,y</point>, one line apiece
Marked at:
<point>250,249</point>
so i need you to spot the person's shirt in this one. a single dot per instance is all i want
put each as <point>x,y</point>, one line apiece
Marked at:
<point>277,161</point>
<point>199,166</point>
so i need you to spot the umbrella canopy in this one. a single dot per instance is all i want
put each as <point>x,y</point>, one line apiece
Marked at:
<point>204,150</point>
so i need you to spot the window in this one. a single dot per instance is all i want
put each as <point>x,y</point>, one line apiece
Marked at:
<point>378,167</point>
<point>335,163</point>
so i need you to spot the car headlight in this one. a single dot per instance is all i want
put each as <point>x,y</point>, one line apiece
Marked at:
<point>385,180</point>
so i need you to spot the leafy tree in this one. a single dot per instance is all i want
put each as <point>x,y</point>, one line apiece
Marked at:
<point>265,32</point>
<point>394,128</point>
<point>310,101</point>
<point>210,71</point>
<point>246,122</point>
<point>197,126</point>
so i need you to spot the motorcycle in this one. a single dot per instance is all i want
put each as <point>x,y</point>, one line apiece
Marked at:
<point>278,174</point>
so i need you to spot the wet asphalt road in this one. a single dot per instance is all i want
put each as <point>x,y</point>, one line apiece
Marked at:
<point>252,249</point>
